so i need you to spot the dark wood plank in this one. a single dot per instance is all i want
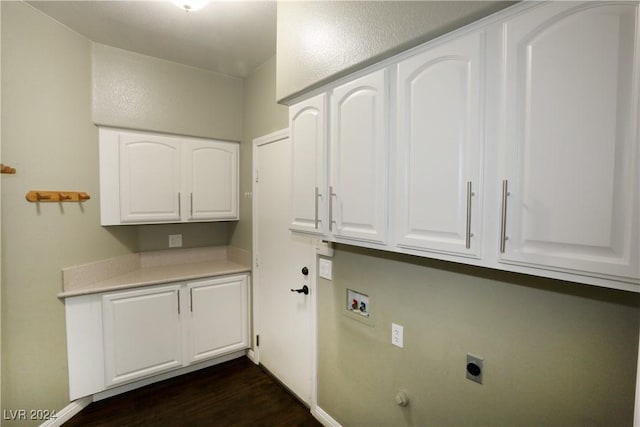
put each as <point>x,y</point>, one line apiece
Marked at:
<point>236,393</point>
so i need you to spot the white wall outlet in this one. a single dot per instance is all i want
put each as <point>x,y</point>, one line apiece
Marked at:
<point>397,335</point>
<point>175,240</point>
<point>325,267</point>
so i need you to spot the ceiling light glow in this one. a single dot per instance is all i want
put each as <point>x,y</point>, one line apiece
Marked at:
<point>190,5</point>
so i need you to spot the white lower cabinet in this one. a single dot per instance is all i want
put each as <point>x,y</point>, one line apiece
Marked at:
<point>119,337</point>
<point>218,317</point>
<point>142,333</point>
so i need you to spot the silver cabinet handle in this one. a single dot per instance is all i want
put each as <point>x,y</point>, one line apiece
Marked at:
<point>179,206</point>
<point>178,293</point>
<point>331,194</point>
<point>503,217</point>
<point>191,204</point>
<point>470,194</point>
<point>191,299</point>
<point>316,200</point>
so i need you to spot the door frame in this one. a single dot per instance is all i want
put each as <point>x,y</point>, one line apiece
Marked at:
<point>255,353</point>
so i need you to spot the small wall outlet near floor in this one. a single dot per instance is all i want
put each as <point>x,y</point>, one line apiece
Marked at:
<point>175,240</point>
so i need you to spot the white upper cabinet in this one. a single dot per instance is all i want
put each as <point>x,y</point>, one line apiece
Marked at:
<point>149,178</point>
<point>439,144</point>
<point>211,180</point>
<point>307,127</point>
<point>358,199</point>
<point>570,126</point>
<point>152,178</point>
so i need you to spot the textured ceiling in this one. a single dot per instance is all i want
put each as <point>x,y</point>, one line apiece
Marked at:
<point>229,37</point>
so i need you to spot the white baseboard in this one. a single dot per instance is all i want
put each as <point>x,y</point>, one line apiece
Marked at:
<point>325,419</point>
<point>66,413</point>
<point>252,356</point>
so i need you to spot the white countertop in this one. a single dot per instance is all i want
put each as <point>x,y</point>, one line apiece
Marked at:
<point>146,275</point>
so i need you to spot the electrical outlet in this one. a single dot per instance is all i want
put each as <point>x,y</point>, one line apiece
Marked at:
<point>474,368</point>
<point>397,338</point>
<point>175,240</point>
<point>325,267</point>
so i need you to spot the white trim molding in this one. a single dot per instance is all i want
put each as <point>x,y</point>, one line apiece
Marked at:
<point>68,412</point>
<point>325,419</point>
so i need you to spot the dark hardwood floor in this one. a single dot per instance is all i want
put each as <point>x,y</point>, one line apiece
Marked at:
<point>235,393</point>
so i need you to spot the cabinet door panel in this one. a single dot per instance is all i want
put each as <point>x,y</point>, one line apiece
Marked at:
<point>219,313</point>
<point>572,98</point>
<point>142,333</point>
<point>359,157</point>
<point>307,125</point>
<point>149,178</point>
<point>440,143</point>
<point>211,174</point>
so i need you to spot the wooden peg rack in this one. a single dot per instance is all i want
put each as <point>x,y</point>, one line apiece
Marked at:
<point>7,169</point>
<point>57,196</point>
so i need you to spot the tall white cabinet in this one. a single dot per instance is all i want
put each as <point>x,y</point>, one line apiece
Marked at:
<point>510,144</point>
<point>440,140</point>
<point>359,156</point>
<point>153,178</point>
<point>340,187</point>
<point>309,201</point>
<point>570,189</point>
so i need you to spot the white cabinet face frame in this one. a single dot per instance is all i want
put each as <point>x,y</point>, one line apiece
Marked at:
<point>309,201</point>
<point>142,333</point>
<point>218,316</point>
<point>358,199</point>
<point>440,147</point>
<point>571,138</point>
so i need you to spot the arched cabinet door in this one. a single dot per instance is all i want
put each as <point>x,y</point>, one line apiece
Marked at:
<point>570,148</point>
<point>307,127</point>
<point>358,194</point>
<point>440,143</point>
<point>210,179</point>
<point>150,168</point>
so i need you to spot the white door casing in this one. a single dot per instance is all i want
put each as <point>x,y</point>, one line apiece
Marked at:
<point>284,320</point>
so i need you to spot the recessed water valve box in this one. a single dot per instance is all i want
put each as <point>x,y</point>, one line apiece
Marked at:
<point>358,303</point>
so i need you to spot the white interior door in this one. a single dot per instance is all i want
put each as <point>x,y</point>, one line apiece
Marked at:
<point>284,319</point>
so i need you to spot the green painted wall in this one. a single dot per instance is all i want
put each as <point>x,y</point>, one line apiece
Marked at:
<point>48,136</point>
<point>555,353</point>
<point>261,116</point>
<point>319,41</point>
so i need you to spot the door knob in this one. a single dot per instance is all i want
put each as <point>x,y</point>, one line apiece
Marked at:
<point>305,271</point>
<point>303,290</point>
